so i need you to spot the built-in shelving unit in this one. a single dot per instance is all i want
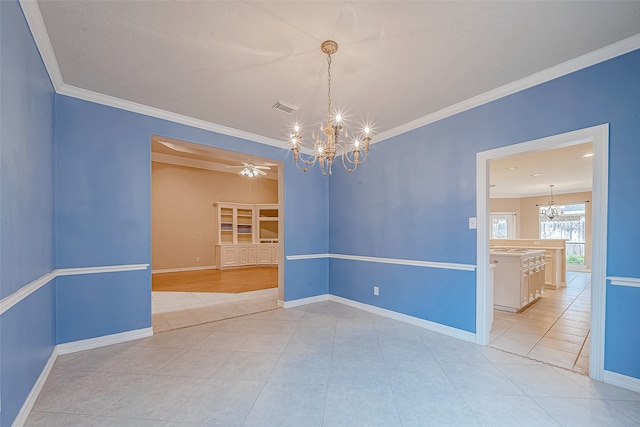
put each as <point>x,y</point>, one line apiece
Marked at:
<point>244,230</point>
<point>247,235</point>
<point>225,223</point>
<point>267,223</point>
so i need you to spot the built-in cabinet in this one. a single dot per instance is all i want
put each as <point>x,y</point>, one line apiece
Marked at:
<point>226,256</point>
<point>247,235</point>
<point>268,254</point>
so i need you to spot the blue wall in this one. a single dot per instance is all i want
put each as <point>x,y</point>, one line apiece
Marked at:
<point>306,231</point>
<point>414,195</point>
<point>412,207</point>
<point>27,330</point>
<point>103,217</point>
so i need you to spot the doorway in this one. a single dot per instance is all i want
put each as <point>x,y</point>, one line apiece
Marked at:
<point>598,136</point>
<point>193,277</point>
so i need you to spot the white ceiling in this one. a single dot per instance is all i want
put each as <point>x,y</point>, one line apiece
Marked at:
<point>226,63</point>
<point>565,168</point>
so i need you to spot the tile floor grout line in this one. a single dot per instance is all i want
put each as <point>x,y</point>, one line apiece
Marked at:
<point>581,348</point>
<point>559,317</point>
<point>556,321</point>
<point>549,329</point>
<point>575,362</point>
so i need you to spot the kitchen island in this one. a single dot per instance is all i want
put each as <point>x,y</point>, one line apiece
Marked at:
<point>554,253</point>
<point>519,277</point>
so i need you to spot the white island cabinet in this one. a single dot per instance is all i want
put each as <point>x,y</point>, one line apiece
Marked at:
<point>518,278</point>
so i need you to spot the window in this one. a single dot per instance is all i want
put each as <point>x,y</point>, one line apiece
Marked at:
<point>503,225</point>
<point>569,224</point>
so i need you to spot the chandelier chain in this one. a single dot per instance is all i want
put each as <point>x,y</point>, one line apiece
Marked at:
<point>329,85</point>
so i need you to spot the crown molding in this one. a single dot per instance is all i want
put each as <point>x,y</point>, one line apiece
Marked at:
<point>592,58</point>
<point>111,101</point>
<point>36,25</point>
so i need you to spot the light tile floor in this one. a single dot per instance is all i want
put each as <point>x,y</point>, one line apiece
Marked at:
<point>323,364</point>
<point>171,310</point>
<point>554,330</point>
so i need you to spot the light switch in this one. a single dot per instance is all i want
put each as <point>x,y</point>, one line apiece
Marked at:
<point>472,223</point>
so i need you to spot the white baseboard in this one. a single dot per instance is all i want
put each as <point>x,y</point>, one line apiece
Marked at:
<point>622,381</point>
<point>303,301</point>
<point>72,347</point>
<point>426,324</point>
<point>88,344</point>
<point>178,270</point>
<point>22,416</point>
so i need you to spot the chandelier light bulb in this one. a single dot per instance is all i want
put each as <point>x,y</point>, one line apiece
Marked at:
<point>296,128</point>
<point>367,130</point>
<point>356,143</point>
<point>338,118</point>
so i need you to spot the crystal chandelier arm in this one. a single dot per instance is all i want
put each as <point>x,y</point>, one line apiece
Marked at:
<point>298,157</point>
<point>359,152</point>
<point>355,159</point>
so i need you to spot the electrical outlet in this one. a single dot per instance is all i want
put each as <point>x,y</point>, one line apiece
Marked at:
<point>376,291</point>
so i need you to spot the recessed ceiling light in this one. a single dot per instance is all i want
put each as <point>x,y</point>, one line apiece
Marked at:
<point>588,155</point>
<point>536,174</point>
<point>512,168</point>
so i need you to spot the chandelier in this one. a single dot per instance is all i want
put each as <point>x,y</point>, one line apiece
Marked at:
<point>550,211</point>
<point>325,148</point>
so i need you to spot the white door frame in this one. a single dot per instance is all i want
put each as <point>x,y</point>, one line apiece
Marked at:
<point>599,136</point>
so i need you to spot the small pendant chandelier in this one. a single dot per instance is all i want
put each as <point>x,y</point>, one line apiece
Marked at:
<point>325,150</point>
<point>550,211</point>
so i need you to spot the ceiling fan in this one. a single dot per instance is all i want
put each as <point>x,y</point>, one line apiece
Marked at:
<point>250,170</point>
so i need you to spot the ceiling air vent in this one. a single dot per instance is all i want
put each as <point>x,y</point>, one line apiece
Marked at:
<point>285,107</point>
